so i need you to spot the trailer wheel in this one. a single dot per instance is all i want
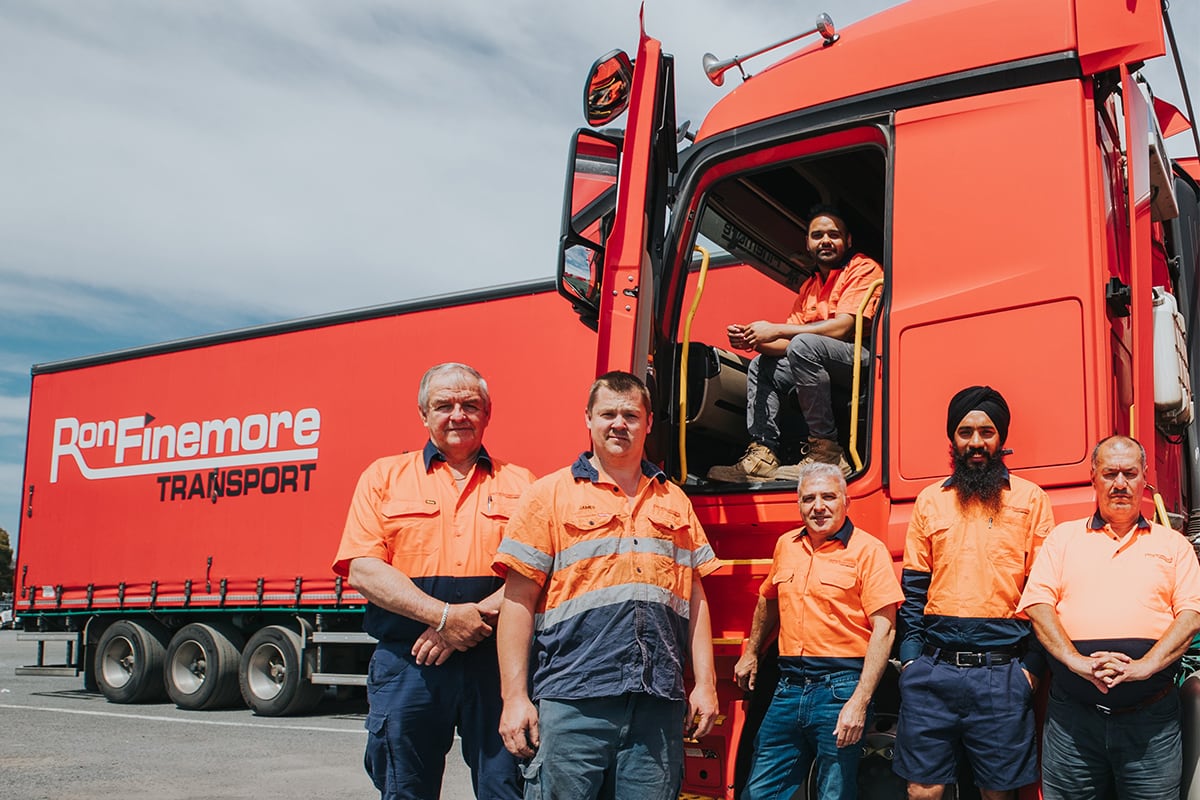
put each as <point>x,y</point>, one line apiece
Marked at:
<point>129,661</point>
<point>201,669</point>
<point>272,675</point>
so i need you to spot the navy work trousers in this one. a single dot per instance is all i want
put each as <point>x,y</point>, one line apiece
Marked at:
<point>414,711</point>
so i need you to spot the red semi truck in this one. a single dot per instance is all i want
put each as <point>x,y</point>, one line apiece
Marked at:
<point>1003,161</point>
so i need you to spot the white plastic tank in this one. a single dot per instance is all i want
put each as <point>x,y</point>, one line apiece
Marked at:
<point>1172,386</point>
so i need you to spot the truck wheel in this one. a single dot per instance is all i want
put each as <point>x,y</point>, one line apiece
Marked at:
<point>129,661</point>
<point>272,675</point>
<point>201,669</point>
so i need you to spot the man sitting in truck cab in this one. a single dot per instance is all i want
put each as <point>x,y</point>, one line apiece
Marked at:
<point>803,355</point>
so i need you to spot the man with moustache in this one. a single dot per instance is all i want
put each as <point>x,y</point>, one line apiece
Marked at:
<point>968,674</point>
<point>1125,592</point>
<point>419,540</point>
<point>603,605</point>
<point>803,355</point>
<point>832,591</point>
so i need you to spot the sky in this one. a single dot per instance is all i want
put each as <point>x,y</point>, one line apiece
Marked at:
<point>174,169</point>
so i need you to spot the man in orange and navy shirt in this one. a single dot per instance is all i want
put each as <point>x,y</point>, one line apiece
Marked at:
<point>803,355</point>
<point>603,605</point>
<point>1115,600</point>
<point>832,591</point>
<point>420,537</point>
<point>968,670</point>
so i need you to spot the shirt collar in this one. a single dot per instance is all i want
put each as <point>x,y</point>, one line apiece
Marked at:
<point>582,469</point>
<point>946,484</point>
<point>1097,523</point>
<point>431,454</point>
<point>842,535</point>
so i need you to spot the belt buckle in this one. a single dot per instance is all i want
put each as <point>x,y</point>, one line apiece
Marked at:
<point>972,659</point>
<point>1105,710</point>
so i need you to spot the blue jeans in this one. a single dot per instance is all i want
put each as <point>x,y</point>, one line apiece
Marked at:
<point>1086,754</point>
<point>811,363</point>
<point>628,747</point>
<point>797,729</point>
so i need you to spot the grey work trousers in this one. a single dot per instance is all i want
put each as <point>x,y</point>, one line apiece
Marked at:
<point>811,363</point>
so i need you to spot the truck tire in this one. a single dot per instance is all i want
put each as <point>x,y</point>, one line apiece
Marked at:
<point>129,661</point>
<point>272,674</point>
<point>201,666</point>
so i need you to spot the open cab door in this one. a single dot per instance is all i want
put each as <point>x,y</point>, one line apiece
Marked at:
<point>614,220</point>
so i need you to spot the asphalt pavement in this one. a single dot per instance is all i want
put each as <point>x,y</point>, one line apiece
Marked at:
<point>62,742</point>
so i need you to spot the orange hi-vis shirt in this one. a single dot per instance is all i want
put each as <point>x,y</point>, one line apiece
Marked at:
<point>407,511</point>
<point>616,573</point>
<point>819,300</point>
<point>1116,594</point>
<point>826,597</point>
<point>964,569</point>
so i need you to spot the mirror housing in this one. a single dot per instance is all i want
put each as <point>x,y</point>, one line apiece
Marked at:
<point>589,204</point>
<point>608,88</point>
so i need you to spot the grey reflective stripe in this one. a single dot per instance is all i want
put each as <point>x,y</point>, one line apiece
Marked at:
<point>629,543</point>
<point>702,555</point>
<point>610,596</point>
<point>526,554</point>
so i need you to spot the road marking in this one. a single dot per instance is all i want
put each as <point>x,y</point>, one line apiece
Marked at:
<point>176,719</point>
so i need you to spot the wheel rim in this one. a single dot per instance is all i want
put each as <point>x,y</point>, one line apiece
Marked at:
<point>118,662</point>
<point>189,667</point>
<point>267,671</point>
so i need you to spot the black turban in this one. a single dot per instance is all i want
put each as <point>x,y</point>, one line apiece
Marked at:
<point>978,398</point>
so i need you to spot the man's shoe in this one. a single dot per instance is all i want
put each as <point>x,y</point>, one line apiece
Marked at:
<point>826,451</point>
<point>757,464</point>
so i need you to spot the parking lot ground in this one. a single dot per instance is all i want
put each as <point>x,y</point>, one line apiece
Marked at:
<point>62,742</point>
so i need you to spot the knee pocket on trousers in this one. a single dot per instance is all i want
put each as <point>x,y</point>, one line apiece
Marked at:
<point>531,772</point>
<point>378,756</point>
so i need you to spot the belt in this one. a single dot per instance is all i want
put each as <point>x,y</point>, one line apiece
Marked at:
<point>828,677</point>
<point>973,658</point>
<point>1149,701</point>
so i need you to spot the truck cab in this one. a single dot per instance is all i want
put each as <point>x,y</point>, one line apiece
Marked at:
<point>1003,162</point>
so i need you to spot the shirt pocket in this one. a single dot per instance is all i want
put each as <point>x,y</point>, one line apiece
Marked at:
<point>836,576</point>
<point>671,526</point>
<point>497,509</point>
<point>592,523</point>
<point>414,526</point>
<point>1009,540</point>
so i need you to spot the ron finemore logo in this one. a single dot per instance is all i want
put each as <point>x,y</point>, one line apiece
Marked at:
<point>226,457</point>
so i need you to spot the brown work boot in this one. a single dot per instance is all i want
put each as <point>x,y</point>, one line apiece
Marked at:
<point>826,451</point>
<point>758,463</point>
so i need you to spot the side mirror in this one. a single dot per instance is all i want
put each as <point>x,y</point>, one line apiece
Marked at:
<point>606,94</point>
<point>589,204</point>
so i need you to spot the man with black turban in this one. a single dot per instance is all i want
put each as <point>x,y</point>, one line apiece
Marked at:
<point>968,675</point>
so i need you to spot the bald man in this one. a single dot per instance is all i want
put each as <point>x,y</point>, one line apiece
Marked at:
<point>1115,599</point>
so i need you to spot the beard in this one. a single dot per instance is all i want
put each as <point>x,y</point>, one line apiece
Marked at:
<point>979,483</point>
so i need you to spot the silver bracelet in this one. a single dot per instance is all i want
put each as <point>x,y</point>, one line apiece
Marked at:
<point>445,615</point>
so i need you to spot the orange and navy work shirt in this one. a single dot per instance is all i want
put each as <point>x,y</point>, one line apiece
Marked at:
<point>408,512</point>
<point>1114,593</point>
<point>826,597</point>
<point>964,570</point>
<point>840,293</point>
<point>616,574</point>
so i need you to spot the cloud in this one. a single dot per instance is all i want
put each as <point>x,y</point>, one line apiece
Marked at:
<point>178,168</point>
